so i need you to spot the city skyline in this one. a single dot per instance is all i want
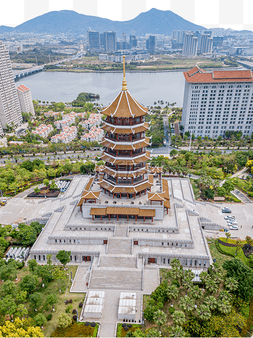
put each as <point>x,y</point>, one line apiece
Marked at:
<point>15,12</point>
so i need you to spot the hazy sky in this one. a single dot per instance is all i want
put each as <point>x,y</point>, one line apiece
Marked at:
<point>236,14</point>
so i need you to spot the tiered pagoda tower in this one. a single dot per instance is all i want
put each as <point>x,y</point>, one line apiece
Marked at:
<point>125,173</point>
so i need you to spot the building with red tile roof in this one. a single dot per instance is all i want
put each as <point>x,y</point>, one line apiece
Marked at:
<point>25,99</point>
<point>217,101</point>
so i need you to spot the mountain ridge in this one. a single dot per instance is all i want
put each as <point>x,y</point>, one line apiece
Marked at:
<point>153,21</point>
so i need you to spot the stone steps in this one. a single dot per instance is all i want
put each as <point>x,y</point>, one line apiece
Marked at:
<point>119,246</point>
<point>118,279</point>
<point>117,261</point>
<point>121,231</point>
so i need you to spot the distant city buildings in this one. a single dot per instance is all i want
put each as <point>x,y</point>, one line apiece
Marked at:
<point>43,130</point>
<point>150,44</point>
<point>206,44</point>
<point>68,119</point>
<point>67,135</point>
<point>190,44</point>
<point>93,41</point>
<point>10,111</point>
<point>110,42</point>
<point>25,99</point>
<point>217,101</point>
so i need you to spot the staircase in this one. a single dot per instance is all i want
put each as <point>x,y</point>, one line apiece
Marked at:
<point>119,246</point>
<point>116,278</point>
<point>119,261</point>
<point>121,231</point>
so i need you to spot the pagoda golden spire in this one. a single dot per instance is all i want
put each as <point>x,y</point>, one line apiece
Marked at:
<point>124,83</point>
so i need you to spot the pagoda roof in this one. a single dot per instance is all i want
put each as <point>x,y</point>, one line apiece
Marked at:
<point>165,188</point>
<point>123,190</point>
<point>125,105</point>
<point>155,170</point>
<point>122,211</point>
<point>156,196</point>
<point>88,195</point>
<point>166,204</point>
<point>120,174</point>
<point>122,130</point>
<point>118,146</point>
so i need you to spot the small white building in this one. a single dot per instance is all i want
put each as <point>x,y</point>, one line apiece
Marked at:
<point>94,135</point>
<point>67,135</point>
<point>94,304</point>
<point>25,99</point>
<point>127,306</point>
<point>43,130</point>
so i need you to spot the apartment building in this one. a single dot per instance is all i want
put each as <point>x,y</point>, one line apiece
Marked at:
<point>67,135</point>
<point>218,101</point>
<point>190,45</point>
<point>25,99</point>
<point>94,120</point>
<point>10,111</point>
<point>43,130</point>
<point>94,135</point>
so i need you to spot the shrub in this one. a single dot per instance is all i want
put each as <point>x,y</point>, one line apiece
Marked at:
<point>49,317</point>
<point>125,328</point>
<point>75,318</point>
<point>129,325</point>
<point>87,323</point>
<point>64,321</point>
<point>176,282</point>
<point>68,308</point>
<point>74,311</point>
<point>70,301</point>
<point>171,310</point>
<point>81,304</point>
<point>93,324</point>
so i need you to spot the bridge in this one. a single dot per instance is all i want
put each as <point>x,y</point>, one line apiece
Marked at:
<point>25,72</point>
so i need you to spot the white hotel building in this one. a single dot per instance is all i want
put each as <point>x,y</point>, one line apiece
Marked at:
<point>218,101</point>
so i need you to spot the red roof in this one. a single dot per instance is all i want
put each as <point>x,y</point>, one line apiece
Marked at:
<point>23,88</point>
<point>197,75</point>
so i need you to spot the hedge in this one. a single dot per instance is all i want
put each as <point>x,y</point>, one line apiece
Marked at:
<point>76,330</point>
<point>249,325</point>
<point>121,332</point>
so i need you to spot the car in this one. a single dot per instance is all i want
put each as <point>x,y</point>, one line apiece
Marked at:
<point>3,203</point>
<point>233,227</point>
<point>229,217</point>
<point>232,221</point>
<point>226,211</point>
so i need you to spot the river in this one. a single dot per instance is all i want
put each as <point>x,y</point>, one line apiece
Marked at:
<point>145,87</point>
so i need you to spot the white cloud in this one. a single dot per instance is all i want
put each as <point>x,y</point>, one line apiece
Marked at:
<point>110,9</point>
<point>206,14</point>
<point>11,12</point>
<point>58,5</point>
<point>159,4</point>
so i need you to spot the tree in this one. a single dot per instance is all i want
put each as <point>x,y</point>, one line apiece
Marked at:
<point>21,311</point>
<point>186,303</point>
<point>40,319</point>
<point>224,306</point>
<point>178,317</point>
<point>176,331</point>
<point>36,299</point>
<point>29,283</point>
<point>32,264</point>
<point>159,318</point>
<point>231,283</point>
<point>172,292</point>
<point>7,306</point>
<point>9,288</point>
<point>228,235</point>
<point>45,273</point>
<point>52,299</point>
<point>195,292</point>
<point>64,257</point>
<point>53,185</point>
<point>20,328</point>
<point>64,321</point>
<point>21,296</point>
<point>37,190</point>
<point>8,272</point>
<point>239,245</point>
<point>46,182</point>
<point>203,312</point>
<point>211,301</point>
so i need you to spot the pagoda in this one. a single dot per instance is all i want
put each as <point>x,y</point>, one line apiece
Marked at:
<point>125,174</point>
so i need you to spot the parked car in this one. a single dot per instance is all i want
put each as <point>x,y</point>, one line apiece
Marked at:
<point>226,210</point>
<point>233,227</point>
<point>229,217</point>
<point>3,203</point>
<point>232,222</point>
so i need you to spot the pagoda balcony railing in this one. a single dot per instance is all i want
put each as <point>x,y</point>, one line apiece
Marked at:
<point>126,181</point>
<point>126,169</point>
<point>133,155</point>
<point>123,138</point>
<point>124,122</point>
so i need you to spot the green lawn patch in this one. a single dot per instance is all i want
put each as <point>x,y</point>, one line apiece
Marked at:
<point>121,332</point>
<point>76,330</point>
<point>219,256</point>
<point>232,251</point>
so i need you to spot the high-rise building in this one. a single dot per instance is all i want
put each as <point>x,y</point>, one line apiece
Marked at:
<point>110,42</point>
<point>206,44</point>
<point>217,101</point>
<point>102,40</point>
<point>133,41</point>
<point>178,36</point>
<point>190,44</point>
<point>93,41</point>
<point>10,112</point>
<point>25,99</point>
<point>150,44</point>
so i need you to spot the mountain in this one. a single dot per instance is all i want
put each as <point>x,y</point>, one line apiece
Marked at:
<point>153,21</point>
<point>6,29</point>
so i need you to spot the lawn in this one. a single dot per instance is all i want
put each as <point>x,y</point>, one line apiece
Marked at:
<point>232,251</point>
<point>77,330</point>
<point>220,258</point>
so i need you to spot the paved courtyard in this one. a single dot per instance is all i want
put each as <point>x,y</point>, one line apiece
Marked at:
<point>106,253</point>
